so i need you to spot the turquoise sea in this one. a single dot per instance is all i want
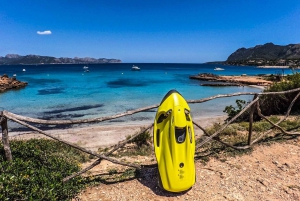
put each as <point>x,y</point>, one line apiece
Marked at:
<point>66,91</point>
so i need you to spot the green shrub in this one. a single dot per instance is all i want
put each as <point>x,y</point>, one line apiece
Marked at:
<point>233,111</point>
<point>37,170</point>
<point>141,139</point>
<point>261,126</point>
<point>278,104</point>
<point>270,104</point>
<point>230,130</point>
<point>112,171</point>
<point>289,124</point>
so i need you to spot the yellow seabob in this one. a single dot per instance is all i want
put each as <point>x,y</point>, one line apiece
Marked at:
<point>174,143</point>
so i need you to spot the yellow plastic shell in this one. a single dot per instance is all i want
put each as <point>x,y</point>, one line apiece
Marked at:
<point>174,143</point>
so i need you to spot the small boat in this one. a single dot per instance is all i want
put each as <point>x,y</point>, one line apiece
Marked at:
<point>86,69</point>
<point>24,70</point>
<point>217,68</point>
<point>135,68</point>
<point>174,143</point>
<point>15,75</point>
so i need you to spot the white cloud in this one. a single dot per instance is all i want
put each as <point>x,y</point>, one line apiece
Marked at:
<point>48,32</point>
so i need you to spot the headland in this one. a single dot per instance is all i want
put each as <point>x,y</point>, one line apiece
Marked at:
<point>31,59</point>
<point>237,80</point>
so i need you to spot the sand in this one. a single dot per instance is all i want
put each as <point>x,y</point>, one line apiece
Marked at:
<point>239,79</point>
<point>270,172</point>
<point>93,137</point>
<point>273,66</point>
<point>264,174</point>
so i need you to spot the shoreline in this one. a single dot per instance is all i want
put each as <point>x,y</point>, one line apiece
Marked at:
<point>94,137</point>
<point>238,79</point>
<point>258,87</point>
<point>276,67</point>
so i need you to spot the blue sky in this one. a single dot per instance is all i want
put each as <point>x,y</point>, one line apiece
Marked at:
<point>145,31</point>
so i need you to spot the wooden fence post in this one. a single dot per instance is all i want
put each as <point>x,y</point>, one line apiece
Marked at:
<point>251,120</point>
<point>5,140</point>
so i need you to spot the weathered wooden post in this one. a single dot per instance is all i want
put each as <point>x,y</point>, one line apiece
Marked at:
<point>5,140</point>
<point>251,120</point>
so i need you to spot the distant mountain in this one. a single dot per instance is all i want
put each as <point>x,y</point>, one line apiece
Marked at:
<point>267,54</point>
<point>37,59</point>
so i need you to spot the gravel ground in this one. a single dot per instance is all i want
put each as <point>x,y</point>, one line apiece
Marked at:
<point>269,173</point>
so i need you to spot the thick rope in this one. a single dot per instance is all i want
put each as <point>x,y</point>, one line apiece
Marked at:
<point>98,161</point>
<point>220,141</point>
<point>130,112</point>
<point>281,120</point>
<point>20,119</point>
<point>275,125</point>
<point>224,126</point>
<point>72,145</point>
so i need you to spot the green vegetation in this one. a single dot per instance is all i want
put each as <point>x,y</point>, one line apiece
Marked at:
<point>278,104</point>
<point>267,54</point>
<point>271,104</point>
<point>112,171</point>
<point>142,139</point>
<point>37,170</point>
<point>232,111</point>
<point>237,134</point>
<point>140,145</point>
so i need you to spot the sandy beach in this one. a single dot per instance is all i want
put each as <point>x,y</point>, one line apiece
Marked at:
<point>273,66</point>
<point>238,79</point>
<point>95,136</point>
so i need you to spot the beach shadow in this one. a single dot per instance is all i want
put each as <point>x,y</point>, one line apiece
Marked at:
<point>107,178</point>
<point>148,177</point>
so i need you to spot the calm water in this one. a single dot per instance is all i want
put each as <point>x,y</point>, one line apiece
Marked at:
<point>66,91</point>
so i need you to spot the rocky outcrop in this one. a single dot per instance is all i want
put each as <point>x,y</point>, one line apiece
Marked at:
<point>15,59</point>
<point>205,77</point>
<point>238,80</point>
<point>7,83</point>
<point>267,54</point>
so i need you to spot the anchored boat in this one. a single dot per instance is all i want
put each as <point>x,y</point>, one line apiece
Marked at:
<point>135,68</point>
<point>174,143</point>
<point>217,68</point>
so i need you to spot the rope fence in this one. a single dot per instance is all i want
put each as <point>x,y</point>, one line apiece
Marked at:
<point>252,106</point>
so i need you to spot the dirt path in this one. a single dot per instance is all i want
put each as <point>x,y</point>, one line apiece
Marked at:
<point>268,173</point>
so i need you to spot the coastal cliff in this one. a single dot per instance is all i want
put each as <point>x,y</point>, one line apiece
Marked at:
<point>7,83</point>
<point>267,55</point>
<point>15,59</point>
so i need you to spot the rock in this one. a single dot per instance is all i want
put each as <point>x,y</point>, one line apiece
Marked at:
<point>7,83</point>
<point>288,165</point>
